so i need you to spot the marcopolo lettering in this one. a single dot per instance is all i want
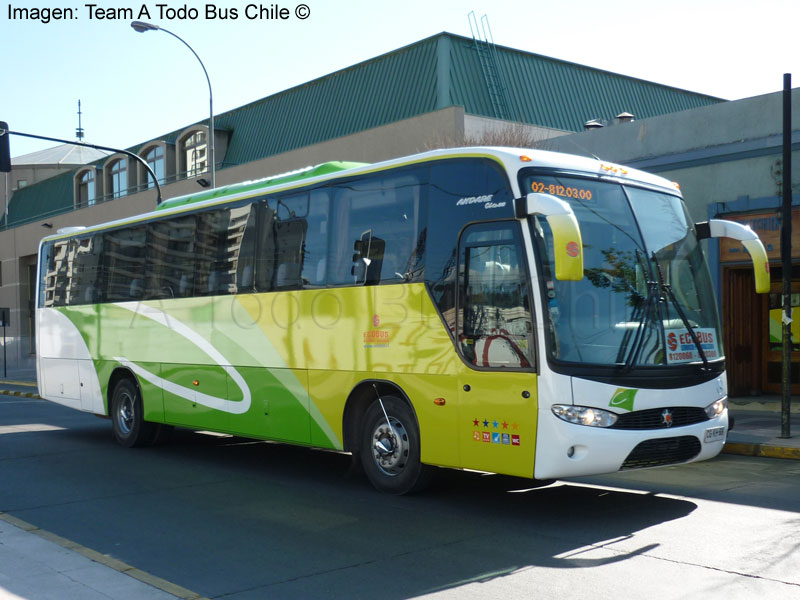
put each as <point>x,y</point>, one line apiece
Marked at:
<point>486,200</point>
<point>475,200</point>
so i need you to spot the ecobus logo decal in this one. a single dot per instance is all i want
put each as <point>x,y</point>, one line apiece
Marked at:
<point>486,200</point>
<point>681,347</point>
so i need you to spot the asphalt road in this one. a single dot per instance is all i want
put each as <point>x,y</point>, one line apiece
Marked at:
<point>231,518</point>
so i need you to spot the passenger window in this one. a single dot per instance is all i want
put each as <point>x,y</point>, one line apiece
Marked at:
<point>217,249</point>
<point>379,225</point>
<point>289,230</point>
<point>86,272</point>
<point>56,278</point>
<point>279,242</point>
<point>315,255</point>
<point>170,265</point>
<point>495,327</point>
<point>124,263</point>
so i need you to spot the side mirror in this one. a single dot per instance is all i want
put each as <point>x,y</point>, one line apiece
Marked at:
<point>716,228</point>
<point>567,241</point>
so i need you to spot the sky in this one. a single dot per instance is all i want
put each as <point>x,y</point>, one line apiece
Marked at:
<point>134,87</point>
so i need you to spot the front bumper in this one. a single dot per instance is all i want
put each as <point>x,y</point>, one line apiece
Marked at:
<point>567,450</point>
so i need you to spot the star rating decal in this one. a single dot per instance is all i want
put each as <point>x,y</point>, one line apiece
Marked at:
<point>504,439</point>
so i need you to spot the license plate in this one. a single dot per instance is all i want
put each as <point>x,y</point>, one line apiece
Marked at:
<point>714,434</point>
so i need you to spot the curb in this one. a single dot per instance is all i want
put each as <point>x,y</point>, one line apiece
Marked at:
<point>763,450</point>
<point>104,559</point>
<point>20,394</point>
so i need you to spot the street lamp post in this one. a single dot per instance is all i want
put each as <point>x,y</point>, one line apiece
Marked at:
<point>141,27</point>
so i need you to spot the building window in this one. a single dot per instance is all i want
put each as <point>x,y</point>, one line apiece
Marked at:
<point>195,151</point>
<point>155,159</point>
<point>21,183</point>
<point>118,178</point>
<point>86,189</point>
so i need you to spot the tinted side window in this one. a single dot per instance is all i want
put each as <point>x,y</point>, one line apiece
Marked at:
<point>246,265</point>
<point>289,230</point>
<point>315,255</point>
<point>54,271</point>
<point>124,263</point>
<point>217,246</point>
<point>46,275</point>
<point>279,242</point>
<point>461,192</point>
<point>170,260</point>
<point>378,229</point>
<point>86,285</point>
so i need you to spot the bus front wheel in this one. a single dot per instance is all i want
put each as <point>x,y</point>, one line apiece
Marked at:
<point>390,446</point>
<point>127,416</point>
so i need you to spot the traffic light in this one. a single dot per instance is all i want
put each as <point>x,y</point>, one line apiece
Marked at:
<point>5,149</point>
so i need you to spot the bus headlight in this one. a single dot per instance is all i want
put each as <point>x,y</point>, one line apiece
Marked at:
<point>583,415</point>
<point>717,408</point>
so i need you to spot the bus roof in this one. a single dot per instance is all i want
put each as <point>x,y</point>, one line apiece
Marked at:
<point>511,158</point>
<point>236,188</point>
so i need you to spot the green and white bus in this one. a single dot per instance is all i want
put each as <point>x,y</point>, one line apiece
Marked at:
<point>519,312</point>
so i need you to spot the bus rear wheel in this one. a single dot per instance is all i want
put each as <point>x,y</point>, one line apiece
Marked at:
<point>389,448</point>
<point>127,416</point>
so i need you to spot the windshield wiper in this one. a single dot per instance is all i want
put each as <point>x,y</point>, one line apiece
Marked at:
<point>671,295</point>
<point>632,357</point>
<point>652,298</point>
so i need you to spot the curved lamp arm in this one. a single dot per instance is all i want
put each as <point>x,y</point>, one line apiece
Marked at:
<point>717,228</point>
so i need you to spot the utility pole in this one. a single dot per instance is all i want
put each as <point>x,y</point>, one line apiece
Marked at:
<point>786,257</point>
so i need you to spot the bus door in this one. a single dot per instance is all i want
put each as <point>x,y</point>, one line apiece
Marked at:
<point>494,331</point>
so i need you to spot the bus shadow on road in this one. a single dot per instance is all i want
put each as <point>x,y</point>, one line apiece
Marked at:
<point>318,529</point>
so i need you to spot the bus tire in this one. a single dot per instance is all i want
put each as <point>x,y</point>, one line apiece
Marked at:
<point>391,459</point>
<point>127,416</point>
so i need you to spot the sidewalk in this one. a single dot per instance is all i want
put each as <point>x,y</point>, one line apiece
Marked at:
<point>39,564</point>
<point>757,428</point>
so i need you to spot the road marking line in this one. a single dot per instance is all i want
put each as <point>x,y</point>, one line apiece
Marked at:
<point>10,382</point>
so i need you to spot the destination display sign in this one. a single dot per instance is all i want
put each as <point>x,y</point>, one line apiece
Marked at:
<point>565,191</point>
<point>682,349</point>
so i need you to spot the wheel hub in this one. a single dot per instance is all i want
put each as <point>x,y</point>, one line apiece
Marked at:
<point>390,447</point>
<point>125,415</point>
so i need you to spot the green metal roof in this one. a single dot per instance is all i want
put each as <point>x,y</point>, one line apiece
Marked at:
<point>47,198</point>
<point>437,72</point>
<point>434,73</point>
<point>557,94</point>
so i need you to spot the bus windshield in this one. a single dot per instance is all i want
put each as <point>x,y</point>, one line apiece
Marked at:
<point>646,298</point>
